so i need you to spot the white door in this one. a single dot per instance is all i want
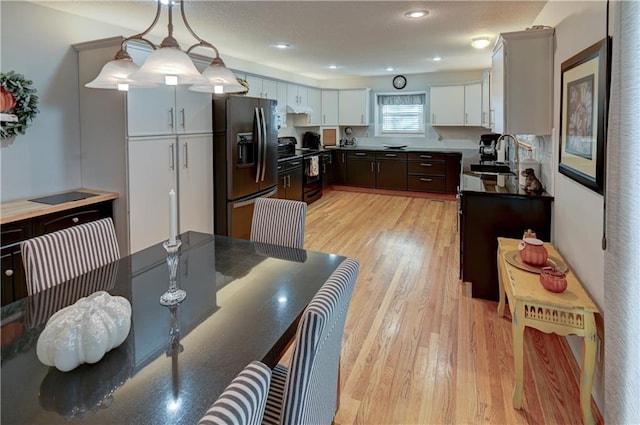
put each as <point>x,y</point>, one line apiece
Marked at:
<point>329,107</point>
<point>194,111</point>
<point>292,95</point>
<point>151,111</point>
<point>255,86</point>
<point>269,89</point>
<point>497,90</point>
<point>314,101</point>
<point>447,105</point>
<point>353,107</point>
<point>195,178</point>
<point>473,104</point>
<point>152,173</point>
<point>486,99</point>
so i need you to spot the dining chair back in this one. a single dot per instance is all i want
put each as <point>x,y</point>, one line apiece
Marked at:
<point>59,256</point>
<point>279,222</point>
<point>307,391</point>
<point>243,401</point>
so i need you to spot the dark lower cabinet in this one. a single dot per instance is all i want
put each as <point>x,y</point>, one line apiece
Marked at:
<point>339,167</point>
<point>326,160</point>
<point>290,184</point>
<point>391,170</point>
<point>12,234</point>
<point>360,169</point>
<point>486,216</point>
<point>434,172</point>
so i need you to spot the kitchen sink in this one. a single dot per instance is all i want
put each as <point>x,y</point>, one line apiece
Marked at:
<point>494,167</point>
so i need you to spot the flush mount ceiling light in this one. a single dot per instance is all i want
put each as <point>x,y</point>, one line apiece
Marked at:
<point>480,42</point>
<point>436,58</point>
<point>415,14</point>
<point>333,66</point>
<point>390,68</point>
<point>167,64</point>
<point>283,46</point>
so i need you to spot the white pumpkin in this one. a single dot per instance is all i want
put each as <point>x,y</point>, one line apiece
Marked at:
<point>85,331</point>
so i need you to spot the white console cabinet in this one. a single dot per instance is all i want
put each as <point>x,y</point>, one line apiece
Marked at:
<point>522,82</point>
<point>141,144</point>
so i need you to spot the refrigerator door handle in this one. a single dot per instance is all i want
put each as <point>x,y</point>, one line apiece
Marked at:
<point>259,162</point>
<point>253,200</point>
<point>264,143</point>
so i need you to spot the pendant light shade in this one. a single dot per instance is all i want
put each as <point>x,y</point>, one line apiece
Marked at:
<point>217,78</point>
<point>115,74</point>
<point>167,61</point>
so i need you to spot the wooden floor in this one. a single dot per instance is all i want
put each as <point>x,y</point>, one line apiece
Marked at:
<point>417,348</point>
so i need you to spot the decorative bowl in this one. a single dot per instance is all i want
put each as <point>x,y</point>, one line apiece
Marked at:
<point>533,252</point>
<point>553,280</point>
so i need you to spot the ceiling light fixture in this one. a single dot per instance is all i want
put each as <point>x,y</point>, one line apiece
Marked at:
<point>436,58</point>
<point>283,46</point>
<point>333,66</point>
<point>167,64</point>
<point>480,42</point>
<point>415,14</point>
<point>390,68</point>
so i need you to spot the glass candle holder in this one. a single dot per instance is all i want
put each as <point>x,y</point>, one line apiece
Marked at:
<point>174,295</point>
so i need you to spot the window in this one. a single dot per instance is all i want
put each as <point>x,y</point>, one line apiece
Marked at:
<point>400,114</point>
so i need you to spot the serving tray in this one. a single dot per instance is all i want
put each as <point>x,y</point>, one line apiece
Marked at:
<point>513,258</point>
<point>395,146</point>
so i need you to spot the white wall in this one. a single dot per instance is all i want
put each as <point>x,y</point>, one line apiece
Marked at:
<point>577,211</point>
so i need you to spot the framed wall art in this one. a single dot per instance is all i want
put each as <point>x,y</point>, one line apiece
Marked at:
<point>583,104</point>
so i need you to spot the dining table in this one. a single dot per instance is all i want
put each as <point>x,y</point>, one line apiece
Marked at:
<point>243,302</point>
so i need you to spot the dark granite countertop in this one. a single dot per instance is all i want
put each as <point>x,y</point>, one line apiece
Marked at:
<point>486,184</point>
<point>441,149</point>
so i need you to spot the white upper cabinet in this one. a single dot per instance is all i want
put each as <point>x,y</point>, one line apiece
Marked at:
<point>296,97</point>
<point>447,105</point>
<point>486,99</point>
<point>473,104</point>
<point>354,107</point>
<point>522,82</point>
<point>262,87</point>
<point>281,97</point>
<point>166,109</point>
<point>329,107</point>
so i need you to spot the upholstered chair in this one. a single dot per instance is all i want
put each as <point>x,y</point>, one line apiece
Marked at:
<point>279,222</point>
<point>243,401</point>
<point>59,256</point>
<point>306,392</point>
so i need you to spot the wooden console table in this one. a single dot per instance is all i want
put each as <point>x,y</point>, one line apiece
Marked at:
<point>570,313</point>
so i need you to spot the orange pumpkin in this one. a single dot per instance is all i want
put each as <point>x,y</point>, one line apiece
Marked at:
<point>7,101</point>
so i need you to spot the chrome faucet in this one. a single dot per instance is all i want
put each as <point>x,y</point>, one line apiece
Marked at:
<point>516,156</point>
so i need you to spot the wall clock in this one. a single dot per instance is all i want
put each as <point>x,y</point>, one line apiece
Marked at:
<point>399,82</point>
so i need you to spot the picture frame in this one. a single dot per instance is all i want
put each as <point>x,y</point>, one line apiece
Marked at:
<point>584,82</point>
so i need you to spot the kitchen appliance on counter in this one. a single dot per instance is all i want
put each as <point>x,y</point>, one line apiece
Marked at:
<point>286,147</point>
<point>488,150</point>
<point>245,154</point>
<point>311,140</point>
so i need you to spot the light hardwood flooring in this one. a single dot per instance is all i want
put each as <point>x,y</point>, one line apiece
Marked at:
<point>417,348</point>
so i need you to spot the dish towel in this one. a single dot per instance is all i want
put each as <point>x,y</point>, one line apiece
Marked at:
<point>314,166</point>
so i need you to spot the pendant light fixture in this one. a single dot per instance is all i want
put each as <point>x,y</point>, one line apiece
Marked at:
<point>167,64</point>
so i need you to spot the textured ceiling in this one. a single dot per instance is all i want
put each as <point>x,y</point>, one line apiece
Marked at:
<point>361,37</point>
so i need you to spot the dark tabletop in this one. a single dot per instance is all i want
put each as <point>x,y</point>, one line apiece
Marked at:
<point>243,300</point>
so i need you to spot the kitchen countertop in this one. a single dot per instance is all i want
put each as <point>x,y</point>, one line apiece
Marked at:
<point>24,208</point>
<point>473,182</point>
<point>409,149</point>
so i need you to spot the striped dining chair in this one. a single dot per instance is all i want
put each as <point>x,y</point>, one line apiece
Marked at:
<point>306,392</point>
<point>243,401</point>
<point>279,222</point>
<point>59,256</point>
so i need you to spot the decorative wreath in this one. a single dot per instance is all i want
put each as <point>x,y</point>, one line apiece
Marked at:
<point>17,99</point>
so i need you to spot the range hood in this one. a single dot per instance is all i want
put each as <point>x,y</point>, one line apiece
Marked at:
<point>299,109</point>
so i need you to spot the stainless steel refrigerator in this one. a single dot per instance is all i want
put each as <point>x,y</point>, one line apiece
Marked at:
<point>245,160</point>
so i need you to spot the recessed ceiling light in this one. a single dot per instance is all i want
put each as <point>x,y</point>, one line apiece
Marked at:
<point>333,66</point>
<point>436,58</point>
<point>415,14</point>
<point>283,45</point>
<point>390,68</point>
<point>480,42</point>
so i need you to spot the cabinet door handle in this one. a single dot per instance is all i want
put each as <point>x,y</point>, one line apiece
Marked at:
<point>182,124</point>
<point>293,164</point>
<point>426,156</point>
<point>324,119</point>
<point>433,118</point>
<point>372,167</point>
<point>378,168</point>
<point>8,272</point>
<point>75,219</point>
<point>343,160</point>
<point>391,155</point>
<point>466,117</point>
<point>425,180</point>
<point>170,117</point>
<point>185,163</point>
<point>361,154</point>
<point>361,118</point>
<point>172,163</point>
<point>289,180</point>
<point>422,164</point>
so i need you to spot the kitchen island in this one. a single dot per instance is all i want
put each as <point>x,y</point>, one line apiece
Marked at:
<point>488,211</point>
